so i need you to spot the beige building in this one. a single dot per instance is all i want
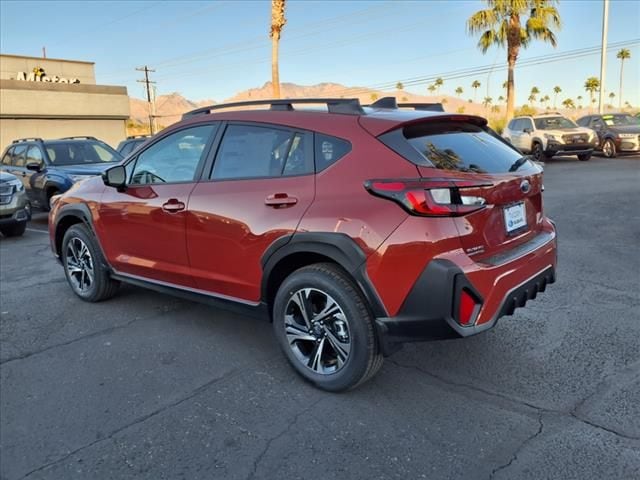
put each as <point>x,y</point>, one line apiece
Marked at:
<point>52,98</point>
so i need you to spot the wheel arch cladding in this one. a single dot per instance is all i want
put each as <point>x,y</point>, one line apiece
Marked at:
<point>292,252</point>
<point>69,216</point>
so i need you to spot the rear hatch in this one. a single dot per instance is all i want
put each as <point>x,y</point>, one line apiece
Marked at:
<point>498,192</point>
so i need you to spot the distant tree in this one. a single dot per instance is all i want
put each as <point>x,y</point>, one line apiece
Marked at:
<point>611,97</point>
<point>531,99</point>
<point>399,86</point>
<point>487,102</point>
<point>278,22</point>
<point>374,97</point>
<point>579,97</point>
<point>505,85</point>
<point>470,100</point>
<point>459,91</point>
<point>404,99</point>
<point>568,103</point>
<point>460,109</point>
<point>438,83</point>
<point>504,24</point>
<point>501,99</point>
<point>431,88</point>
<point>525,111</point>
<point>556,91</point>
<point>495,109</point>
<point>444,101</point>
<point>475,85</point>
<point>623,54</point>
<point>592,85</point>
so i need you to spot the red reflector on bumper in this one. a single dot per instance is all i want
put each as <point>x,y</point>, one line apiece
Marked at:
<point>467,308</point>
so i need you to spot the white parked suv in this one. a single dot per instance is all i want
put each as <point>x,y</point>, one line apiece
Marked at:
<point>545,136</point>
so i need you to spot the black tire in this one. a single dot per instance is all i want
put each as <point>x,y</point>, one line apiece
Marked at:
<point>538,153</point>
<point>609,148</point>
<point>363,359</point>
<point>14,230</point>
<point>584,157</point>
<point>101,286</point>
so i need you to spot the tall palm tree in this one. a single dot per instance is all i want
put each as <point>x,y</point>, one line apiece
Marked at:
<point>568,103</point>
<point>399,86</point>
<point>502,25</point>
<point>459,91</point>
<point>487,102</point>
<point>579,97</point>
<point>278,21</point>
<point>431,88</point>
<point>556,91</point>
<point>532,98</point>
<point>475,85</point>
<point>501,99</point>
<point>592,85</point>
<point>534,93</point>
<point>623,54</point>
<point>611,97</point>
<point>438,83</point>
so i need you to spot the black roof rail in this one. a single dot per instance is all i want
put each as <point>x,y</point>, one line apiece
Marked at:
<point>31,139</point>
<point>77,137</point>
<point>347,106</point>
<point>131,137</point>
<point>429,107</point>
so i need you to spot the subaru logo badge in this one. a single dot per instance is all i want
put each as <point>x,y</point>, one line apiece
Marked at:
<point>525,186</point>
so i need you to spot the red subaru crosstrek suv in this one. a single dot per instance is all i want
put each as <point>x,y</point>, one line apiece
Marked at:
<point>353,229</point>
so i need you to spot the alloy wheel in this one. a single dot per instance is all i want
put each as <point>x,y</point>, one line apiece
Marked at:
<point>79,264</point>
<point>608,149</point>
<point>317,331</point>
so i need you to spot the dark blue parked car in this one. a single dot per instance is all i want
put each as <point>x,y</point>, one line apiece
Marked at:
<point>50,167</point>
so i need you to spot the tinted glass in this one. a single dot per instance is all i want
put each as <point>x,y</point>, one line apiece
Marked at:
<point>19,156</point>
<point>464,147</point>
<point>619,120</point>
<point>126,148</point>
<point>329,150</point>
<point>34,155</point>
<point>174,158</point>
<point>549,123</point>
<point>6,159</point>
<point>81,153</point>
<point>512,124</point>
<point>583,121</point>
<point>252,152</point>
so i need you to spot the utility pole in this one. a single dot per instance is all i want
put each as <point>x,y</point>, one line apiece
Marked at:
<point>150,101</point>
<point>603,54</point>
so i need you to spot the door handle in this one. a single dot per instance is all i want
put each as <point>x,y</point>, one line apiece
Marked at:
<point>173,205</point>
<point>278,200</point>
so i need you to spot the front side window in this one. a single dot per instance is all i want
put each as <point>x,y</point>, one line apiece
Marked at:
<point>34,155</point>
<point>174,158</point>
<point>552,123</point>
<point>464,147</point>
<point>81,153</point>
<point>249,151</point>
<point>19,156</point>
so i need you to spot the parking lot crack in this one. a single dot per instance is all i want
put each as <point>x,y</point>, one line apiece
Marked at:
<point>286,430</point>
<point>522,446</point>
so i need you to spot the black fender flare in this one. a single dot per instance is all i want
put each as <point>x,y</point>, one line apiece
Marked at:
<point>81,211</point>
<point>338,247</point>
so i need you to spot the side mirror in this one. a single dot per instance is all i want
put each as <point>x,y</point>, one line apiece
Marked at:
<point>33,166</point>
<point>527,130</point>
<point>115,177</point>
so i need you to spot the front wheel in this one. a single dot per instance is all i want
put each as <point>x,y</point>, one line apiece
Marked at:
<point>14,230</point>
<point>584,157</point>
<point>325,329</point>
<point>609,148</point>
<point>84,266</point>
<point>538,153</point>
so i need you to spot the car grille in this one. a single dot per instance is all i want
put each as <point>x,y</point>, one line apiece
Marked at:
<point>576,138</point>
<point>6,192</point>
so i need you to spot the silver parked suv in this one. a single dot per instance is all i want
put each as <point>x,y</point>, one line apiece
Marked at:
<point>15,209</point>
<point>545,136</point>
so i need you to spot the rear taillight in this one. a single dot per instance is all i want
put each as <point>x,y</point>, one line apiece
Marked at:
<point>431,197</point>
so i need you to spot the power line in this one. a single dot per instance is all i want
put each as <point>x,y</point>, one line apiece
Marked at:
<point>150,101</point>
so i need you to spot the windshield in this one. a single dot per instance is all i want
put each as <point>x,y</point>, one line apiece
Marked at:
<point>552,123</point>
<point>81,153</point>
<point>619,120</point>
<point>464,147</point>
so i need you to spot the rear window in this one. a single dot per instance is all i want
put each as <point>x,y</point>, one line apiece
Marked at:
<point>462,146</point>
<point>81,152</point>
<point>551,123</point>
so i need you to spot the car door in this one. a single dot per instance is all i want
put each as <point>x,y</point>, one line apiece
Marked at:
<point>142,226</point>
<point>598,126</point>
<point>33,180</point>
<point>516,133</point>
<point>261,183</point>
<point>18,156</point>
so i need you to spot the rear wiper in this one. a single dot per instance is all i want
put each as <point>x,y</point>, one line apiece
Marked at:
<point>518,163</point>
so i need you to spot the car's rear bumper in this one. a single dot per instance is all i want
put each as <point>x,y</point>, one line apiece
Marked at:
<point>430,311</point>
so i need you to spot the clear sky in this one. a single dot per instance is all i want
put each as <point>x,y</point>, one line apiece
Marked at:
<point>215,49</point>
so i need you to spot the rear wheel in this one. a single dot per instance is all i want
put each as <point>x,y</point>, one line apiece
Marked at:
<point>609,148</point>
<point>325,328</point>
<point>84,266</point>
<point>584,157</point>
<point>14,230</point>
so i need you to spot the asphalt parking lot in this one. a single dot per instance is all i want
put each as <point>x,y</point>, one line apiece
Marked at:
<point>148,386</point>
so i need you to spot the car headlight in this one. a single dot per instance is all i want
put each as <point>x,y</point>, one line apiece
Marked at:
<point>17,184</point>
<point>549,136</point>
<point>79,178</point>
<point>627,135</point>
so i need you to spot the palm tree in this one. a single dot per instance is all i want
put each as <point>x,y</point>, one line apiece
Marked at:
<point>399,86</point>
<point>475,85</point>
<point>545,99</point>
<point>501,99</point>
<point>431,88</point>
<point>611,97</point>
<point>460,109</point>
<point>534,92</point>
<point>623,54</point>
<point>568,103</point>
<point>556,91</point>
<point>592,85</point>
<point>438,83</point>
<point>495,109</point>
<point>278,21</point>
<point>579,97</point>
<point>444,101</point>
<point>504,85</point>
<point>459,91</point>
<point>374,97</point>
<point>501,25</point>
<point>487,102</point>
<point>532,98</point>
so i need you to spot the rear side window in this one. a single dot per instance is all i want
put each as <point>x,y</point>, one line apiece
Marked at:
<point>19,156</point>
<point>329,150</point>
<point>461,146</point>
<point>6,159</point>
